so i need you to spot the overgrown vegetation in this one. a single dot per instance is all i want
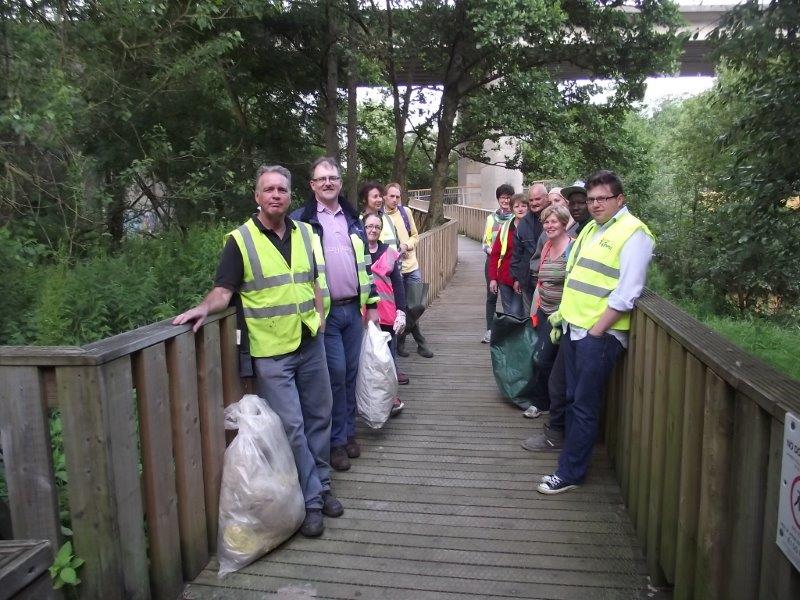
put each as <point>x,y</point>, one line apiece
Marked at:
<point>106,293</point>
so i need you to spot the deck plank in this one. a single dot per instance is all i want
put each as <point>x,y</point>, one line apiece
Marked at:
<point>442,503</point>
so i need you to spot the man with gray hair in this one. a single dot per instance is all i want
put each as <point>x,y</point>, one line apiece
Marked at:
<point>525,256</point>
<point>270,262</point>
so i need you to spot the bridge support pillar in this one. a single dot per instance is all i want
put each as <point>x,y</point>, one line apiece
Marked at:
<point>489,176</point>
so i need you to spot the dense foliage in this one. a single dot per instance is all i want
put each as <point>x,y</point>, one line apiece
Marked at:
<point>726,180</point>
<point>147,280</point>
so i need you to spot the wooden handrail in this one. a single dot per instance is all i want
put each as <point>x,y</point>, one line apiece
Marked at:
<point>150,399</point>
<point>102,351</point>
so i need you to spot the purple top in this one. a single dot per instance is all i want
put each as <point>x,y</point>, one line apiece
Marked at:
<point>340,261</point>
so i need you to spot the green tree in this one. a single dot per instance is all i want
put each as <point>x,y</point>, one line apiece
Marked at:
<point>495,62</point>
<point>759,45</point>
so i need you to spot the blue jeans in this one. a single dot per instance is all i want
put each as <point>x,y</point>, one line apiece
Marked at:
<point>415,275</point>
<point>512,301</point>
<point>588,364</point>
<point>491,299</point>
<point>344,329</point>
<point>557,388</point>
<point>297,388</point>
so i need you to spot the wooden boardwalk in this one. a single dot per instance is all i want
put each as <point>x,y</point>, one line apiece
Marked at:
<point>442,503</point>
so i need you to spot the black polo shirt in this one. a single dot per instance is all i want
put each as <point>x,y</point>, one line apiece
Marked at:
<point>230,271</point>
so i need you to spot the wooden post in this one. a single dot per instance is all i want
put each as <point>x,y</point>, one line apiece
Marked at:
<point>101,447</point>
<point>657,458</point>
<point>182,366</point>
<point>713,530</point>
<point>158,471</point>
<point>689,496</point>
<point>646,431</point>
<point>212,422</point>
<point>676,385</point>
<point>748,493</point>
<point>636,416</point>
<point>27,455</point>
<point>231,382</point>
<point>624,443</point>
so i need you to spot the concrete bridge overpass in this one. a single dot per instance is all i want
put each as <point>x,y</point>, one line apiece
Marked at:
<point>695,60</point>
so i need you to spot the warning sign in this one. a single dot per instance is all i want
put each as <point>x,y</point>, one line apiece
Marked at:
<point>788,538</point>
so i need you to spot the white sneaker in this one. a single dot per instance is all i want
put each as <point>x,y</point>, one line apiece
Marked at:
<point>533,412</point>
<point>556,485</point>
<point>487,337</point>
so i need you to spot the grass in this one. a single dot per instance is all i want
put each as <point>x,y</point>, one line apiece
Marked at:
<point>773,342</point>
<point>776,345</point>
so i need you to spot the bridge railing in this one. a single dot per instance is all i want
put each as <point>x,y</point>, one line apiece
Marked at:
<point>464,195</point>
<point>143,439</point>
<point>694,428</point>
<point>142,422</point>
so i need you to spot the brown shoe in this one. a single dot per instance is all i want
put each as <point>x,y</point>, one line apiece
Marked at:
<point>352,448</point>
<point>339,459</point>
<point>402,378</point>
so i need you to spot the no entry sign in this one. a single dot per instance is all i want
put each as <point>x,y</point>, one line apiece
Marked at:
<point>788,538</point>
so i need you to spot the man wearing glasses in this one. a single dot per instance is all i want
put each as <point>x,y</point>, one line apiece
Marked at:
<point>349,289</point>
<point>606,272</point>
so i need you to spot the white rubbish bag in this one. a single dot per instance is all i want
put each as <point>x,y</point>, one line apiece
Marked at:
<point>260,501</point>
<point>376,385</point>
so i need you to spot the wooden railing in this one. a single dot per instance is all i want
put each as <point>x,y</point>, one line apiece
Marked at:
<point>471,221</point>
<point>694,428</point>
<point>143,434</point>
<point>437,253</point>
<point>147,401</point>
<point>466,195</point>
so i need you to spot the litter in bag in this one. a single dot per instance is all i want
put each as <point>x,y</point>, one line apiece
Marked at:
<point>513,342</point>
<point>376,384</point>
<point>260,501</point>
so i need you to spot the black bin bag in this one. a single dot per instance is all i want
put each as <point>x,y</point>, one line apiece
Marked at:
<point>513,341</point>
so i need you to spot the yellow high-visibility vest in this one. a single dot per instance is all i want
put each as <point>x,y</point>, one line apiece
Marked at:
<point>277,298</point>
<point>593,272</point>
<point>389,232</point>
<point>504,228</point>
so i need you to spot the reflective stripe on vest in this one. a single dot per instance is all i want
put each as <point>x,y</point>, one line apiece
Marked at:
<point>593,272</point>
<point>504,229</point>
<point>362,260</point>
<point>389,232</point>
<point>277,298</point>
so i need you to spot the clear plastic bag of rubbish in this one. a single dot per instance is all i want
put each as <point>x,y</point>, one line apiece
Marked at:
<point>376,385</point>
<point>260,501</point>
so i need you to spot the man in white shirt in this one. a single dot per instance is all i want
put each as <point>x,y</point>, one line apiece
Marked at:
<point>606,272</point>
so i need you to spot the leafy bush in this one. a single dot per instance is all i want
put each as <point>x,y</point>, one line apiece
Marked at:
<point>148,280</point>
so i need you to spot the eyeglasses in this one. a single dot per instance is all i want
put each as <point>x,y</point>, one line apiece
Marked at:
<point>600,200</point>
<point>324,178</point>
<point>373,227</point>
